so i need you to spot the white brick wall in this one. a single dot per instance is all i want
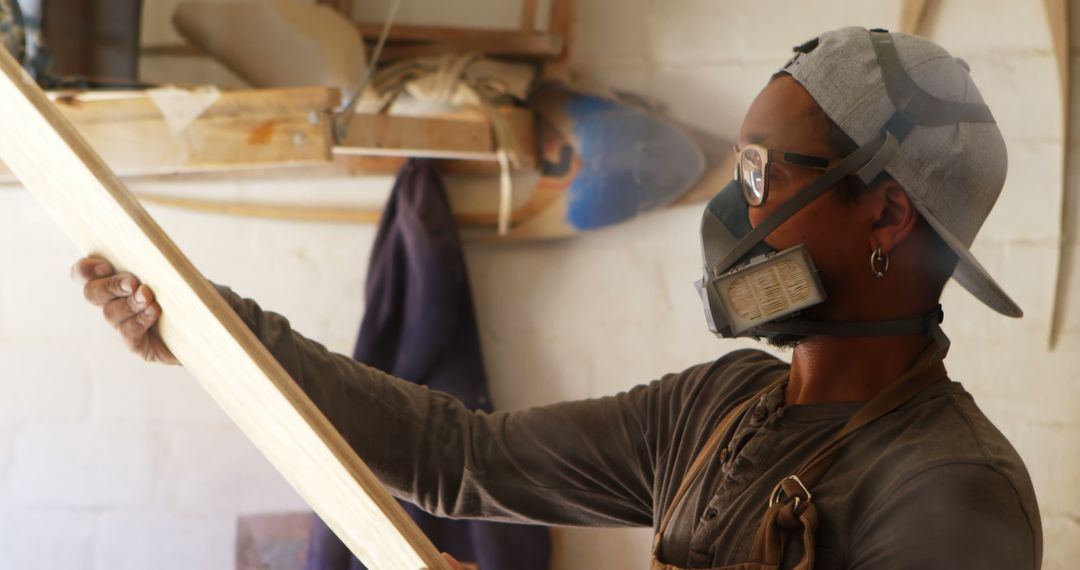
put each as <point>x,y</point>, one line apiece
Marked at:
<point>81,465</point>
<point>107,463</point>
<point>220,463</point>
<point>46,388</point>
<point>163,540</point>
<point>47,538</point>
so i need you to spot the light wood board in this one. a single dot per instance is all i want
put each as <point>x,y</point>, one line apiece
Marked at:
<point>285,132</point>
<point>912,16</point>
<point>464,135</point>
<point>89,202</point>
<point>266,128</point>
<point>1059,17</point>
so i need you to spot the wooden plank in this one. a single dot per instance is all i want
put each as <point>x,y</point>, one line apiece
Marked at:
<point>281,129</point>
<point>518,47</point>
<point>561,24</point>
<point>88,201</point>
<point>912,16</point>
<point>383,131</point>
<point>1057,13</point>
<point>241,129</point>
<point>504,43</point>
<point>406,41</point>
<point>1059,20</point>
<point>528,16</point>
<point>464,136</point>
<point>415,33</point>
<point>267,211</point>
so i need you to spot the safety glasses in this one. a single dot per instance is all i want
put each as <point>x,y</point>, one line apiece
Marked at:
<point>752,168</point>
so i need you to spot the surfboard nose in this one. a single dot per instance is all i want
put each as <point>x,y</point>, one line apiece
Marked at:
<point>631,162</point>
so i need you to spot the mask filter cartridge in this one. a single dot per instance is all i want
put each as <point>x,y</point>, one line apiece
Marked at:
<point>768,288</point>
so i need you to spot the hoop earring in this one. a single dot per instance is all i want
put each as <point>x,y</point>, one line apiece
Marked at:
<point>879,258</point>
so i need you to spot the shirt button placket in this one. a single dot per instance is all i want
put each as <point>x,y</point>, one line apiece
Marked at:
<point>704,538</point>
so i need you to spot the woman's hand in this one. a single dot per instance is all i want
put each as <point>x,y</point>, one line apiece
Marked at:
<point>128,305</point>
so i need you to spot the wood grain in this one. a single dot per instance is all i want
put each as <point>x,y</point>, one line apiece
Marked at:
<point>417,33</point>
<point>266,128</point>
<point>1057,14</point>
<point>561,24</point>
<point>464,135</point>
<point>527,47</point>
<point>1059,19</point>
<point>528,16</point>
<point>88,201</point>
<point>912,16</point>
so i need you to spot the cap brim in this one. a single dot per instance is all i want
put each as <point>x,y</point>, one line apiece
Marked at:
<point>970,273</point>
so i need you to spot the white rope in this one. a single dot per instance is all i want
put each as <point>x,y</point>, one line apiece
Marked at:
<point>506,191</point>
<point>342,126</point>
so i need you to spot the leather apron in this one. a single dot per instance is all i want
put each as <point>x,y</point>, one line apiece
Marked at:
<point>790,505</point>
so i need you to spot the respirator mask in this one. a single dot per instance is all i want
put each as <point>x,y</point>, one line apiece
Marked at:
<point>748,288</point>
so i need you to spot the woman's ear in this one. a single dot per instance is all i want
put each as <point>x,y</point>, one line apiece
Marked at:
<point>895,216</point>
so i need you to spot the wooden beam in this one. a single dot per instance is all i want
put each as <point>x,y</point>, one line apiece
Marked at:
<point>1057,13</point>
<point>264,128</point>
<point>267,211</point>
<point>88,201</point>
<point>463,136</point>
<point>498,42</point>
<point>260,131</point>
<point>1059,19</point>
<point>416,41</point>
<point>413,33</point>
<point>912,16</point>
<point>528,16</point>
<point>561,24</point>
<point>302,213</point>
<point>254,133</point>
<point>534,47</point>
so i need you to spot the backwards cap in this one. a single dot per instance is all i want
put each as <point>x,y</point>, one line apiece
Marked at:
<point>939,140</point>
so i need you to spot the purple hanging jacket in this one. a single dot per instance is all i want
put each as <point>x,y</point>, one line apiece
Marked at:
<point>419,325</point>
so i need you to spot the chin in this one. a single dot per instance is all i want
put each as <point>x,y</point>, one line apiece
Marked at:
<point>784,341</point>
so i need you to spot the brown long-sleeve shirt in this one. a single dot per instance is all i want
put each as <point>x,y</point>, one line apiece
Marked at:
<point>931,485</point>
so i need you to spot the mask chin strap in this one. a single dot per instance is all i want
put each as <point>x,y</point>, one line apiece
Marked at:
<point>914,106</point>
<point>921,325</point>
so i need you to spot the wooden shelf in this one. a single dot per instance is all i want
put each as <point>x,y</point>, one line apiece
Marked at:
<point>465,136</point>
<point>258,132</point>
<point>265,128</point>
<point>407,41</point>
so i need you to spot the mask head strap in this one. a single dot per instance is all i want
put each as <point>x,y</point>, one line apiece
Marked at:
<point>914,106</point>
<point>875,152</point>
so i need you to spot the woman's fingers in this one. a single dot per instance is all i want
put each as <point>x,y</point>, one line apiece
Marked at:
<point>128,306</point>
<point>89,268</point>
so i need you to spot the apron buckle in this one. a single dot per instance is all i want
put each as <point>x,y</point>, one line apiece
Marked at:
<point>774,497</point>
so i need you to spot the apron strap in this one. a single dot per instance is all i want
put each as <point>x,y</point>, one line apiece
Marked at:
<point>705,455</point>
<point>791,504</point>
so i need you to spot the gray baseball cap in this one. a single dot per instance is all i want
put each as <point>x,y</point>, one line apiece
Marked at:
<point>953,170</point>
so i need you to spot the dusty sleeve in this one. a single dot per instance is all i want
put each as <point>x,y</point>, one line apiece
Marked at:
<point>954,516</point>
<point>588,463</point>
